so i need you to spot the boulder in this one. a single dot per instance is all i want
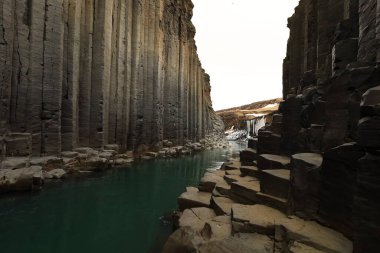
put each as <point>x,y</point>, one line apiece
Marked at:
<point>24,179</point>
<point>184,240</point>
<point>69,154</point>
<point>56,174</point>
<point>11,163</point>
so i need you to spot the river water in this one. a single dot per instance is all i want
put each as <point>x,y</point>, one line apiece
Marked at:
<point>119,211</point>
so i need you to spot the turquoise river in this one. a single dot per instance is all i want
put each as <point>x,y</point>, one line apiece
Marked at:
<point>119,211</point>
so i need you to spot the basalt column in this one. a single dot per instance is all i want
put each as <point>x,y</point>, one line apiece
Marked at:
<point>96,72</point>
<point>331,91</point>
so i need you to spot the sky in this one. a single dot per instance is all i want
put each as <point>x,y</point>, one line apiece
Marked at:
<point>241,44</point>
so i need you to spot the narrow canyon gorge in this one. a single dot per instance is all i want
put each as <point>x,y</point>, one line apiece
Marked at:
<point>89,85</point>
<point>309,180</point>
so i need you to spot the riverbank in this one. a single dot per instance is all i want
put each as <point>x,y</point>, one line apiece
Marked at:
<point>118,210</point>
<point>31,173</point>
<point>243,207</point>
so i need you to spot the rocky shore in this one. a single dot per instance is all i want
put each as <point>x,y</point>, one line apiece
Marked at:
<point>310,181</point>
<point>244,207</point>
<point>30,173</point>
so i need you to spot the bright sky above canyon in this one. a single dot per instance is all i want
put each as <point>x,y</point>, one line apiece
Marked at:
<point>241,44</point>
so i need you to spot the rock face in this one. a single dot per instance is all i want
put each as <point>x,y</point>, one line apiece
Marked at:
<point>331,80</point>
<point>91,73</point>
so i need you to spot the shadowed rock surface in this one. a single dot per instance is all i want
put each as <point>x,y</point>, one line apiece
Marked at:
<point>92,73</point>
<point>318,160</point>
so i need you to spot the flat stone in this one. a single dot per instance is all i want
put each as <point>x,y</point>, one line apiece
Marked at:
<point>222,205</point>
<point>123,161</point>
<point>193,198</point>
<point>196,218</point>
<point>272,201</point>
<point>218,228</point>
<point>233,172</point>
<point>56,174</point>
<point>308,159</point>
<point>314,235</point>
<point>69,154</point>
<point>24,179</point>
<point>14,163</point>
<point>298,247</point>
<point>184,239</point>
<point>252,171</point>
<point>223,188</point>
<point>270,162</point>
<point>255,218</point>
<point>114,147</point>
<point>231,165</point>
<point>240,243</point>
<point>209,181</point>
<point>246,190</point>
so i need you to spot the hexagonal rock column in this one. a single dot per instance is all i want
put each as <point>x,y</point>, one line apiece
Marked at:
<point>304,183</point>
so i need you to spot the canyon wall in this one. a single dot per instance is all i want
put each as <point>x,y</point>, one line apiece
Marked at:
<point>93,72</point>
<point>331,107</point>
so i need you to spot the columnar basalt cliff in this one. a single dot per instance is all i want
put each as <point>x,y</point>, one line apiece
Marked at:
<point>331,92</point>
<point>94,72</point>
<point>310,182</point>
